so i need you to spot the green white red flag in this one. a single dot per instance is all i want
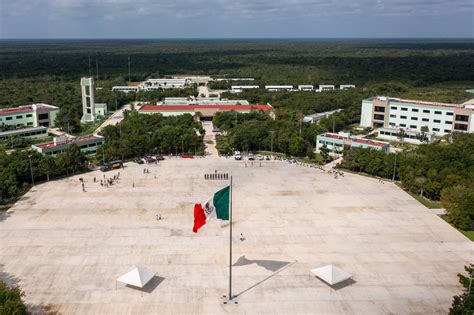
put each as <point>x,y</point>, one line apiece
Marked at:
<point>216,207</point>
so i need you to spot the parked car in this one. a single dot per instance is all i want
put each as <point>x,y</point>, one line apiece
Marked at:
<point>238,157</point>
<point>260,157</point>
<point>138,161</point>
<point>251,157</point>
<point>159,157</point>
<point>267,157</point>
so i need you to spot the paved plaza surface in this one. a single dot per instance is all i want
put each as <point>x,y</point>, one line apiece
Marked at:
<point>66,247</point>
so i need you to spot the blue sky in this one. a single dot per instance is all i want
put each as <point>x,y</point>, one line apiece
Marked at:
<point>235,19</point>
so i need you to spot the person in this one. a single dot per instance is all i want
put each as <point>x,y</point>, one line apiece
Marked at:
<point>133,185</point>
<point>83,188</point>
<point>242,238</point>
<point>95,179</point>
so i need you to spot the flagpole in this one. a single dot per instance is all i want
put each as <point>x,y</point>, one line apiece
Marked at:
<point>230,240</point>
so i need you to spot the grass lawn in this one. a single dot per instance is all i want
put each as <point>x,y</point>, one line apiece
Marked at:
<point>427,203</point>
<point>468,234</point>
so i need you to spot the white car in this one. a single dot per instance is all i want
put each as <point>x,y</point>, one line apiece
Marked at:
<point>238,157</point>
<point>260,157</point>
<point>251,157</point>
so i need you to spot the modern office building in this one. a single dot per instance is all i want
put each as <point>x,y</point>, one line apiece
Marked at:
<point>29,115</point>
<point>153,84</point>
<point>206,111</point>
<point>30,133</point>
<point>88,144</point>
<point>409,136</point>
<point>337,142</point>
<point>438,118</point>
<point>241,88</point>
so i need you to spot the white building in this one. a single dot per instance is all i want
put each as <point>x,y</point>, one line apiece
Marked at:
<point>317,117</point>
<point>326,87</point>
<point>176,101</point>
<point>305,87</point>
<point>346,86</point>
<point>337,142</point>
<point>278,88</point>
<point>408,135</point>
<point>153,84</point>
<point>241,88</point>
<point>439,118</point>
<point>125,89</point>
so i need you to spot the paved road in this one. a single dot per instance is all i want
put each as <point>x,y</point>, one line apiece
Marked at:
<point>114,119</point>
<point>210,140</point>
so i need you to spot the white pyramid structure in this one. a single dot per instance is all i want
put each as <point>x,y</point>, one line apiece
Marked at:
<point>137,276</point>
<point>331,274</point>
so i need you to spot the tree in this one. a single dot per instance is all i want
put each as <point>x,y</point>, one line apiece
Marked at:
<point>324,152</point>
<point>11,300</point>
<point>458,201</point>
<point>464,304</point>
<point>47,166</point>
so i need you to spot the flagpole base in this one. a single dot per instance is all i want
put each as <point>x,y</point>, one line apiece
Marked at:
<point>226,301</point>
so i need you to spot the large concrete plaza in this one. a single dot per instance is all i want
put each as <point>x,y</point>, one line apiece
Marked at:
<point>66,247</point>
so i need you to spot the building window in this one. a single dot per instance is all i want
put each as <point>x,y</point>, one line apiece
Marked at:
<point>29,115</point>
<point>426,111</point>
<point>9,118</point>
<point>449,122</point>
<point>414,118</point>
<point>437,112</point>
<point>460,127</point>
<point>447,130</point>
<point>43,116</point>
<point>414,110</point>
<point>393,107</point>
<point>449,113</point>
<point>29,124</point>
<point>403,125</point>
<point>378,117</point>
<point>392,124</point>
<point>435,129</point>
<point>393,116</point>
<point>19,117</point>
<point>404,109</point>
<point>403,117</point>
<point>462,118</point>
<point>412,126</point>
<point>380,109</point>
<point>437,121</point>
<point>425,119</point>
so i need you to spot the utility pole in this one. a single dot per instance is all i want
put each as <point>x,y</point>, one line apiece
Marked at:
<point>230,240</point>
<point>97,70</point>
<point>315,141</point>
<point>128,69</point>
<point>90,74</point>
<point>333,124</point>
<point>272,132</point>
<point>31,171</point>
<point>394,167</point>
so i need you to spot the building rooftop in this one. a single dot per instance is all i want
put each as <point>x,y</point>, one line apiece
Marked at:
<point>354,139</point>
<point>77,140</point>
<point>197,107</point>
<point>24,108</point>
<point>18,131</point>
<point>414,102</point>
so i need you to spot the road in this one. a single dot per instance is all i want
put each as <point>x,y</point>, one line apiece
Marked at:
<point>114,119</point>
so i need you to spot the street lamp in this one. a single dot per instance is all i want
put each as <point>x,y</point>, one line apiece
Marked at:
<point>272,132</point>
<point>31,171</point>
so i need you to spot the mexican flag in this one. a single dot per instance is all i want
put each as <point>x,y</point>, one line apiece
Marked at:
<point>216,207</point>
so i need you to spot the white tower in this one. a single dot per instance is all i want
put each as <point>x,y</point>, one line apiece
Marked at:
<point>88,104</point>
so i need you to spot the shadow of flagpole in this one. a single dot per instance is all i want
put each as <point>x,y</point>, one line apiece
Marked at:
<point>267,278</point>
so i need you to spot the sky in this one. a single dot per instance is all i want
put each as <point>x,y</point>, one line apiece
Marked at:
<point>236,19</point>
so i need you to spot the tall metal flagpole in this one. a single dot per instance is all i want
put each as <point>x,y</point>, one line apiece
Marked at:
<point>230,240</point>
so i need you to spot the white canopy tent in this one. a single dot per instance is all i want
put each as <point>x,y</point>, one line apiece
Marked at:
<point>137,276</point>
<point>331,274</point>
